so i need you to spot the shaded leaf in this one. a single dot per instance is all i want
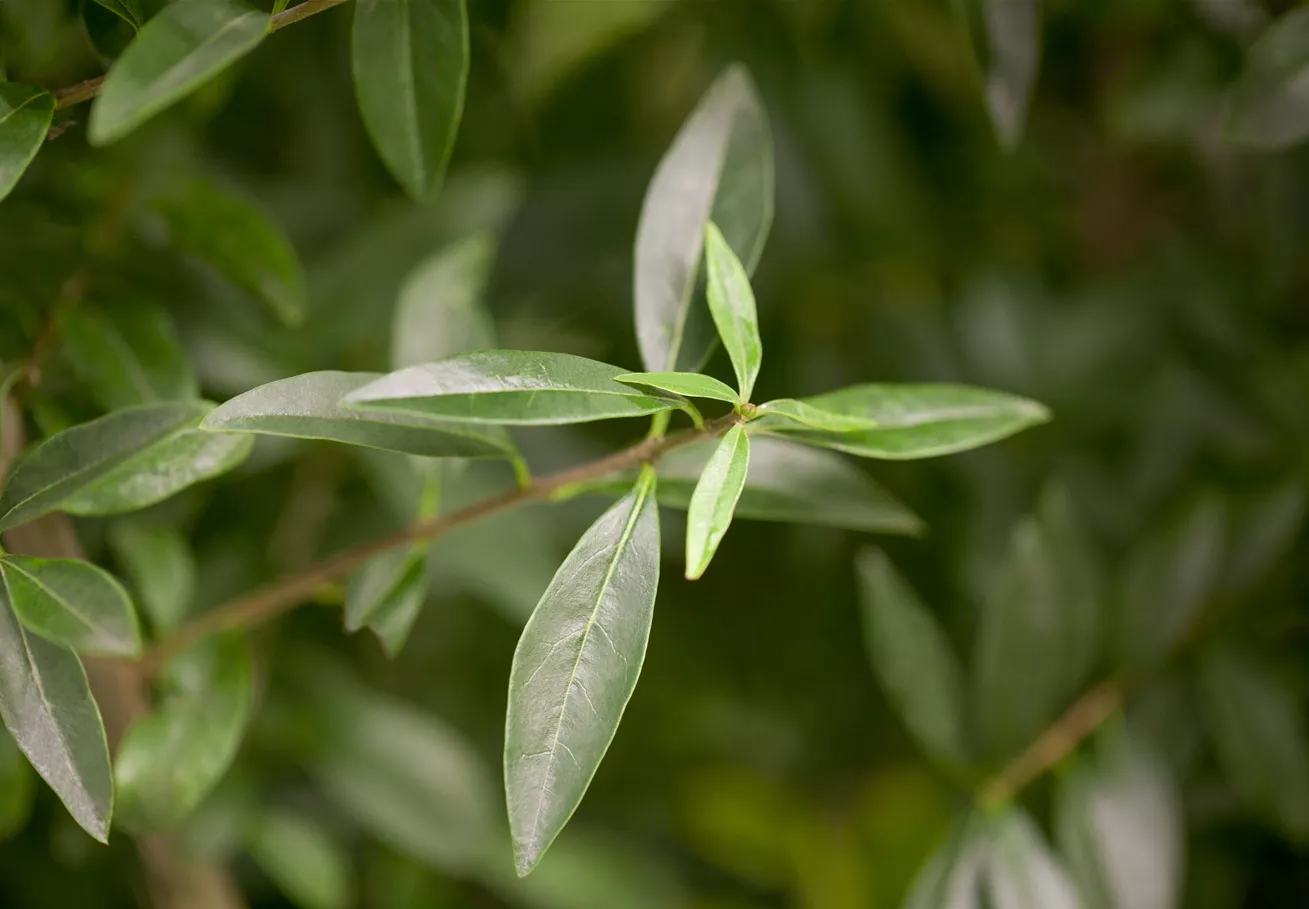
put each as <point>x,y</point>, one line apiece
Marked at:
<point>951,877</point>
<point>73,603</point>
<point>688,384</point>
<point>17,788</point>
<point>303,860</point>
<point>160,566</point>
<point>127,356</point>
<point>1021,871</point>
<point>127,10</point>
<point>1013,31</point>
<point>714,500</point>
<point>387,594</point>
<point>439,312</point>
<point>732,306</point>
<point>1269,105</point>
<point>25,115</point>
<point>1263,535</point>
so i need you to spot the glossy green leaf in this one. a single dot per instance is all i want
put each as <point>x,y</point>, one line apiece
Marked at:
<point>309,407</point>
<point>235,238</point>
<point>159,565</point>
<point>177,51</point>
<point>411,68</point>
<point>951,877</point>
<point>17,788</point>
<point>439,312</point>
<point>509,386</point>
<point>810,417</point>
<point>687,384</point>
<point>73,603</point>
<point>46,704</point>
<point>1257,726</point>
<point>714,500</point>
<point>127,10</point>
<point>1021,871</point>
<point>576,667</point>
<point>172,758</point>
<point>719,168</point>
<point>915,421</point>
<point>732,306</point>
<point>25,115</point>
<point>127,354</point>
<point>386,595</point>
<point>914,661</point>
<point>1013,32</point>
<point>1269,105</point>
<point>134,457</point>
<point>304,861</point>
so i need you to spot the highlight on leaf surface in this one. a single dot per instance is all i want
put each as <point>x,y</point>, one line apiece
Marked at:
<point>687,384</point>
<point>714,500</point>
<point>732,306</point>
<point>73,603</point>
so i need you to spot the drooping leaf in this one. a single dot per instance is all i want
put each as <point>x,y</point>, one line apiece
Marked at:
<point>127,459</point>
<point>688,384</point>
<point>576,667</point>
<point>714,500</point>
<point>719,168</point>
<point>238,240</point>
<point>1269,105</point>
<point>178,50</point>
<point>17,787</point>
<point>309,407</point>
<point>732,306</point>
<point>810,417</point>
<point>410,69</point>
<point>1013,32</point>
<point>46,704</point>
<point>386,596</point>
<point>304,861</point>
<point>73,603</point>
<point>439,312</point>
<point>951,877</point>
<point>1021,871</point>
<point>160,566</point>
<point>510,387</point>
<point>127,354</point>
<point>915,421</point>
<point>172,758</point>
<point>25,115</point>
<point>1257,727</point>
<point>914,661</point>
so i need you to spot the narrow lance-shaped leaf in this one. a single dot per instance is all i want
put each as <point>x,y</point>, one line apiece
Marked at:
<point>1269,105</point>
<point>720,168</point>
<point>178,50</point>
<point>951,877</point>
<point>807,416</point>
<point>73,603</point>
<point>46,704</point>
<point>127,354</point>
<point>688,384</point>
<point>714,500</point>
<point>1013,31</point>
<point>410,70</point>
<point>25,115</point>
<point>731,303</point>
<point>387,594</point>
<point>439,312</point>
<point>305,862</point>
<point>576,667</point>
<point>127,10</point>
<point>1021,871</point>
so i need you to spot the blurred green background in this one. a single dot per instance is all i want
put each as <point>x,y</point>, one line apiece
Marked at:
<point>1126,266</point>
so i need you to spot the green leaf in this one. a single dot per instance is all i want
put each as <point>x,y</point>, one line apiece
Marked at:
<point>1075,576</point>
<point>304,861</point>
<point>440,312</point>
<point>172,758</point>
<point>129,458</point>
<point>386,595</point>
<point>160,566</point>
<point>1263,534</point>
<point>308,407</point>
<point>1268,107</point>
<point>177,51</point>
<point>46,703</point>
<point>127,356</point>
<point>127,10</point>
<point>25,115</point>
<point>576,667</point>
<point>1013,31</point>
<point>110,33</point>
<point>17,788</point>
<point>719,167</point>
<point>238,240</point>
<point>73,603</point>
<point>688,384</point>
<point>511,387</point>
<point>714,500</point>
<point>915,421</point>
<point>1119,825</point>
<point>810,417</point>
<point>411,68</point>
<point>731,303</point>
<point>914,661</point>
<point>1021,871</point>
<point>1257,726</point>
<point>951,877</point>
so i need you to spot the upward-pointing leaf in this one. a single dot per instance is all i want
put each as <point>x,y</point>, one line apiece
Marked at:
<point>719,167</point>
<point>1021,871</point>
<point>177,51</point>
<point>46,704</point>
<point>73,603</point>
<point>1269,107</point>
<point>126,355</point>
<point>410,68</point>
<point>127,10</point>
<point>714,500</point>
<point>440,312</point>
<point>1013,31</point>
<point>576,667</point>
<point>951,877</point>
<point>160,566</point>
<point>731,303</point>
<point>25,115</point>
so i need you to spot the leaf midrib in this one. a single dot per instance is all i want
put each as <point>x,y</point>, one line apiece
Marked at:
<point>35,96</point>
<point>165,80</point>
<point>50,592</point>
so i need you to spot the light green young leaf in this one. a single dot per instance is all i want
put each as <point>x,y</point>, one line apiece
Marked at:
<point>810,417</point>
<point>410,69</point>
<point>235,238</point>
<point>304,861</point>
<point>510,387</point>
<point>129,458</point>
<point>719,168</point>
<point>915,421</point>
<point>951,877</point>
<point>17,788</point>
<point>1021,872</point>
<point>1013,31</point>
<point>309,407</point>
<point>181,48</point>
<point>440,312</point>
<point>127,355</point>
<point>127,10</point>
<point>1269,105</point>
<point>46,703</point>
<point>160,566</point>
<point>386,595</point>
<point>914,661</point>
<point>25,115</point>
<point>732,306</point>
<point>1257,726</point>
<point>576,667</point>
<point>714,500</point>
<point>688,384</point>
<point>73,603</point>
<point>172,758</point>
